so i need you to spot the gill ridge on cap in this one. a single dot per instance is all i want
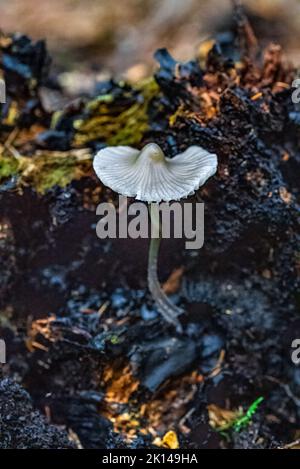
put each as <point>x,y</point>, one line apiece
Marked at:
<point>136,173</point>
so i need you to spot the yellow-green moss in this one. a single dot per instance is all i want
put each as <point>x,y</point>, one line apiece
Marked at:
<point>8,167</point>
<point>47,169</point>
<point>113,125</point>
<point>12,114</point>
<point>107,120</point>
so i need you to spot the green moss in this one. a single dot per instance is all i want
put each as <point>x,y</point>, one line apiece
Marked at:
<point>106,118</point>
<point>55,118</point>
<point>51,173</point>
<point>8,167</point>
<point>114,339</point>
<point>94,104</point>
<point>49,169</point>
<point>116,125</point>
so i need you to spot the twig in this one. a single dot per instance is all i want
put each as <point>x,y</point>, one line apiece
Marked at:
<point>290,445</point>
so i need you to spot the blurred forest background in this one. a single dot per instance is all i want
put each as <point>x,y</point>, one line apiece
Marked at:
<point>94,38</point>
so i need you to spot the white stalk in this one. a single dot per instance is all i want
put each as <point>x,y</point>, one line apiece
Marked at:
<point>164,305</point>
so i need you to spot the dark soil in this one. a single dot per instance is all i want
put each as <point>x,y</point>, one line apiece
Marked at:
<point>22,427</point>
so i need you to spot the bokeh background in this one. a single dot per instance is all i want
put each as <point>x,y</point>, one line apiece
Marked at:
<point>112,37</point>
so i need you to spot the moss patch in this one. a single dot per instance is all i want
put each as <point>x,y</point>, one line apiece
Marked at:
<point>47,169</point>
<point>106,120</point>
<point>8,167</point>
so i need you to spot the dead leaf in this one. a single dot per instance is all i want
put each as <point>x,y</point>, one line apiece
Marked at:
<point>221,418</point>
<point>285,195</point>
<point>172,285</point>
<point>169,440</point>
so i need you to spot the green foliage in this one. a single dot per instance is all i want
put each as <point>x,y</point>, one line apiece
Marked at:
<point>243,420</point>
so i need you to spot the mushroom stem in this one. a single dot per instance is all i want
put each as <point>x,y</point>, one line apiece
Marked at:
<point>165,307</point>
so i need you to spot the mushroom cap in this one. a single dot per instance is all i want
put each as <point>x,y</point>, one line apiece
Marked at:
<point>150,176</point>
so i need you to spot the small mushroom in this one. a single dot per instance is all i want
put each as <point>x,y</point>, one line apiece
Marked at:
<point>150,176</point>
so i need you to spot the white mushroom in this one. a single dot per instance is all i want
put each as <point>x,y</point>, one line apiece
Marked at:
<point>150,176</point>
